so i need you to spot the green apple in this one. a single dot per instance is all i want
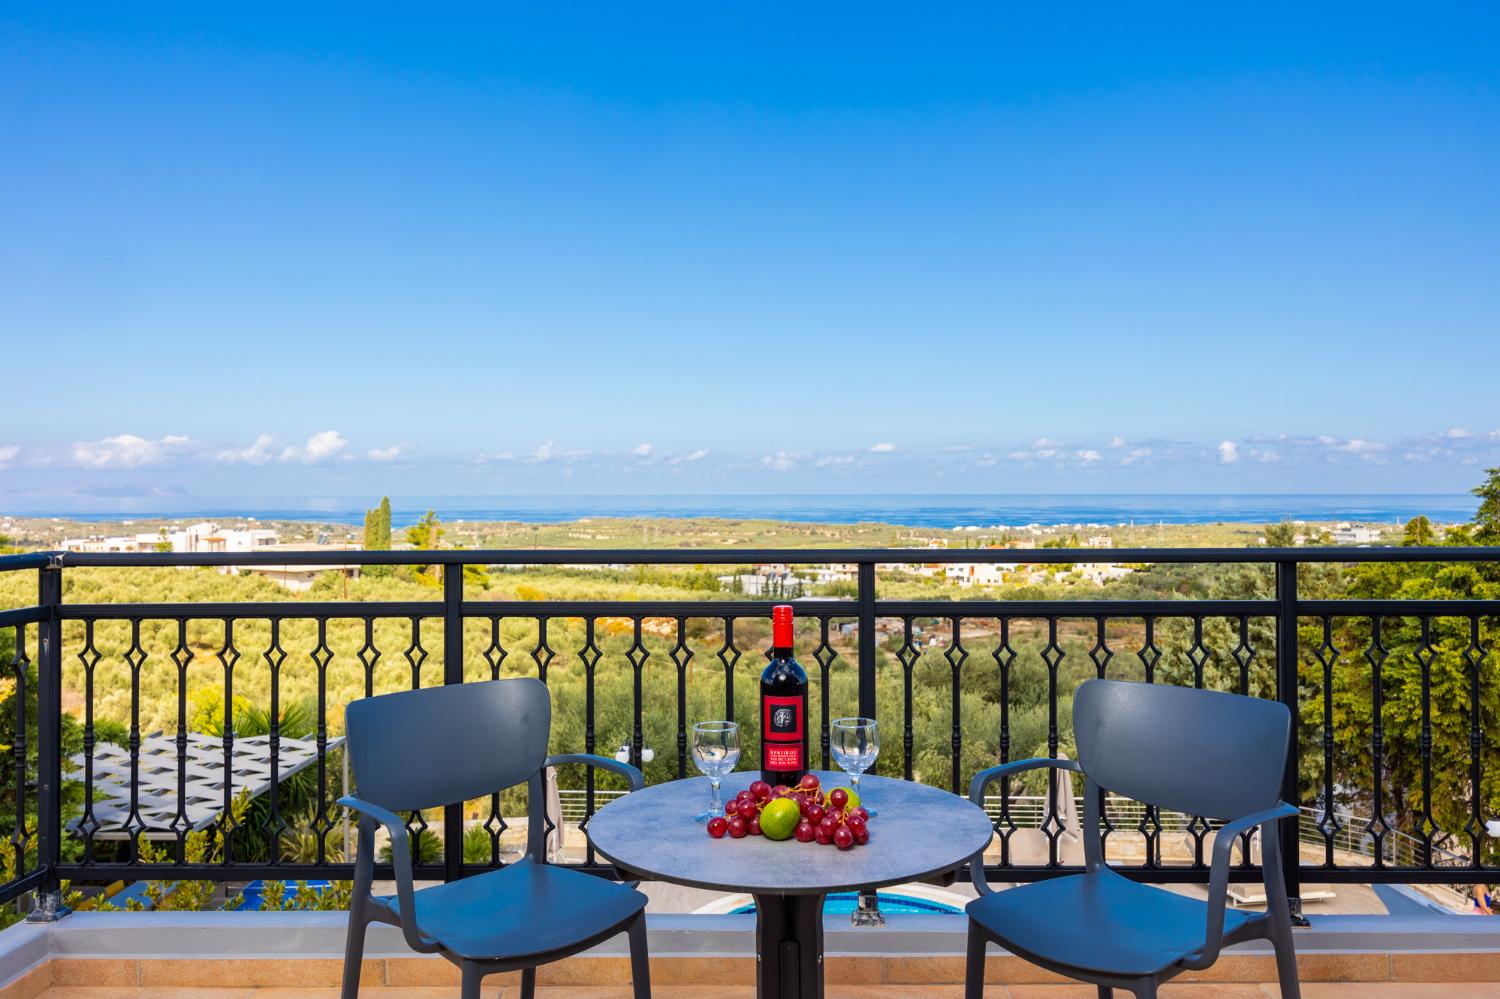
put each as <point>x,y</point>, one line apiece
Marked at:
<point>778,820</point>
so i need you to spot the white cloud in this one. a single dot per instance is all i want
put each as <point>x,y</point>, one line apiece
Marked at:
<point>551,452</point>
<point>322,446</point>
<point>1458,433</point>
<point>1135,454</point>
<point>691,456</point>
<point>1117,442</point>
<point>642,450</point>
<point>1265,454</point>
<point>8,454</point>
<point>1089,456</point>
<point>547,452</point>
<point>258,453</point>
<point>781,461</point>
<point>1046,443</point>
<point>127,451</point>
<point>384,453</point>
<point>1229,452</point>
<point>1357,446</point>
<point>884,447</point>
<point>834,460</point>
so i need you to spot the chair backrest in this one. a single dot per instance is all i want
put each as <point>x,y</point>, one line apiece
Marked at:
<point>442,745</point>
<point>1202,752</point>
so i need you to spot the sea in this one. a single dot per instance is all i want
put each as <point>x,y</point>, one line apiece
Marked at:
<point>932,510</point>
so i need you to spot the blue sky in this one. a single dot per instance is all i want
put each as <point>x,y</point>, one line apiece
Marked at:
<point>687,248</point>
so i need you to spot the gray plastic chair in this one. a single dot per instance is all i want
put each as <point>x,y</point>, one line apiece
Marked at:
<point>424,748</point>
<point>1220,756</point>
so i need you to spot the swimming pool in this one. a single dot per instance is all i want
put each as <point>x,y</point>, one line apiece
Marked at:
<point>845,902</point>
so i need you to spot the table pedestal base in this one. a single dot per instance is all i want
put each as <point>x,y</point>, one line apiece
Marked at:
<point>789,946</point>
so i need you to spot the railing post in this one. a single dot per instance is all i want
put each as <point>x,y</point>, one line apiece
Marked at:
<point>867,639</point>
<point>1288,830</point>
<point>49,905</point>
<point>867,913</point>
<point>453,672</point>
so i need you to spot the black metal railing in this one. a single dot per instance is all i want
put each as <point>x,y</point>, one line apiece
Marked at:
<point>963,683</point>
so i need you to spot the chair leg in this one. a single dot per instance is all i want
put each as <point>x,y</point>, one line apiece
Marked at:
<point>354,950</point>
<point>473,974</point>
<point>1286,961</point>
<point>528,984</point>
<point>974,969</point>
<point>640,958</point>
<point>1146,989</point>
<point>1106,992</point>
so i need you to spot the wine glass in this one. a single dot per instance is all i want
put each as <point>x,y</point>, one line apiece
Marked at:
<point>855,743</point>
<point>716,751</point>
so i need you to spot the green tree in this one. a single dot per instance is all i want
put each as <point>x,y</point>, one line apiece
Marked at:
<point>1282,535</point>
<point>383,523</point>
<point>1428,668</point>
<point>23,790</point>
<point>426,533</point>
<point>378,526</point>
<point>1419,531</point>
<point>1487,517</point>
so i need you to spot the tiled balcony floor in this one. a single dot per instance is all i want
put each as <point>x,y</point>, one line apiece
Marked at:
<point>1316,990</point>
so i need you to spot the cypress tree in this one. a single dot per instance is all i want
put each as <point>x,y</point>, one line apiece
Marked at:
<point>384,526</point>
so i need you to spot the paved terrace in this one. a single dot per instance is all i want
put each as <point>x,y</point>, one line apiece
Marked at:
<point>239,955</point>
<point>1344,990</point>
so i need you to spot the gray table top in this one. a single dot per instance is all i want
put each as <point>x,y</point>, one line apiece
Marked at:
<point>918,832</point>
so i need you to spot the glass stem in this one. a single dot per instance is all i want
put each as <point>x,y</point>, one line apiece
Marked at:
<point>854,783</point>
<point>715,807</point>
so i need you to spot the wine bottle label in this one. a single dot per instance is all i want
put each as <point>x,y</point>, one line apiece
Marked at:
<point>781,728</point>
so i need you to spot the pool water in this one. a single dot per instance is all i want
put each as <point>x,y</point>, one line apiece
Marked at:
<point>844,902</point>
<point>254,893</point>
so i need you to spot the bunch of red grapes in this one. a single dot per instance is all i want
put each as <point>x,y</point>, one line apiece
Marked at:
<point>826,818</point>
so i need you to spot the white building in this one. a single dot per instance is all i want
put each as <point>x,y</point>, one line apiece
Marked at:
<point>1355,534</point>
<point>297,578</point>
<point>978,573</point>
<point>763,585</point>
<point>1101,572</point>
<point>202,537</point>
<point>99,543</point>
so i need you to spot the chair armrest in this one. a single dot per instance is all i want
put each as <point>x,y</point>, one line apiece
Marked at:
<point>1218,881</point>
<point>633,775</point>
<point>987,777</point>
<point>370,814</point>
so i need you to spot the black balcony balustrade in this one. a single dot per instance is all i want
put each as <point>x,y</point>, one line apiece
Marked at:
<point>640,671</point>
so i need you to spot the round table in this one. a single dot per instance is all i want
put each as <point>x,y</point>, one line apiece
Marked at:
<point>919,832</point>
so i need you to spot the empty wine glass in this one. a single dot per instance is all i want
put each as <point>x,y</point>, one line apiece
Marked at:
<point>716,751</point>
<point>855,743</point>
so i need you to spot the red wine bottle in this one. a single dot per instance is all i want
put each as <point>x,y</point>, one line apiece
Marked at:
<point>783,707</point>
